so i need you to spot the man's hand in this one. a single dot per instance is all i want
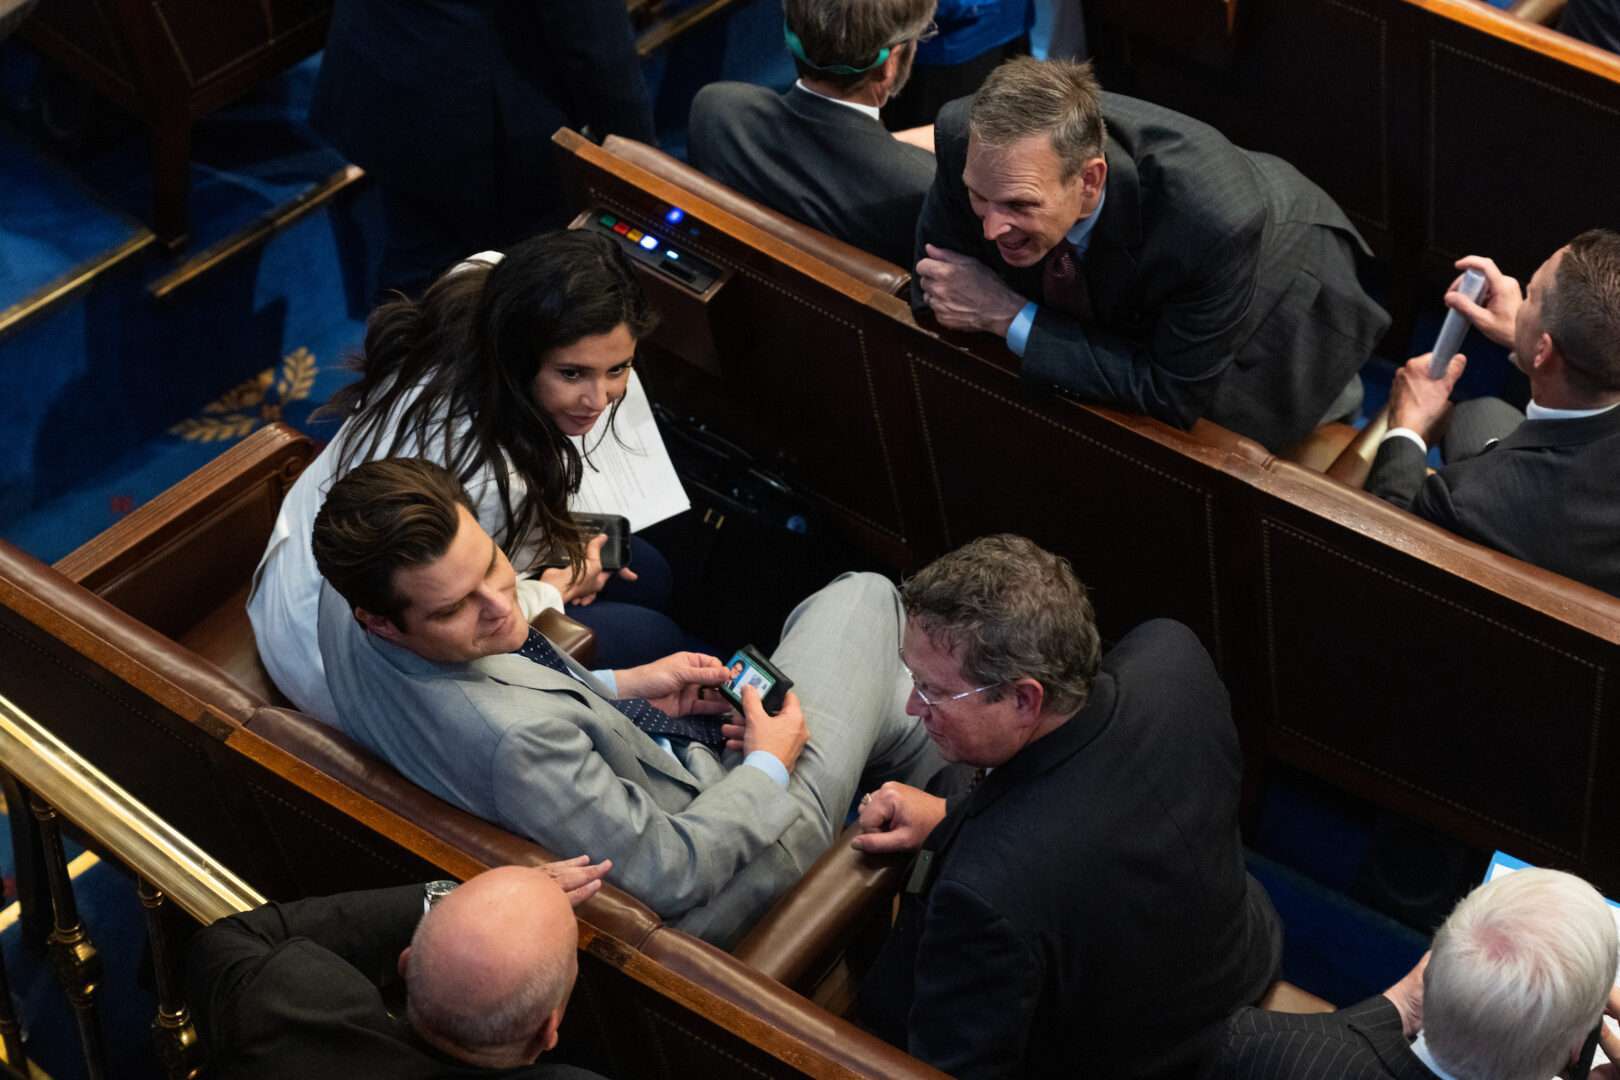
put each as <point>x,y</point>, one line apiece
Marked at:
<point>582,589</point>
<point>783,735</point>
<point>1496,316</point>
<point>1417,402</point>
<point>679,684</point>
<point>579,878</point>
<point>966,294</point>
<point>1407,996</point>
<point>897,817</point>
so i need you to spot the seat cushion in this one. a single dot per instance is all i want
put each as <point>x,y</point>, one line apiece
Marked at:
<point>225,637</point>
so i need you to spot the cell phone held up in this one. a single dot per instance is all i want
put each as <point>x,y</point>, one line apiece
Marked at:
<point>615,552</point>
<point>749,668</point>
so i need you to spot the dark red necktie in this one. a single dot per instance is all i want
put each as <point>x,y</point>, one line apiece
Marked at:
<point>1063,283</point>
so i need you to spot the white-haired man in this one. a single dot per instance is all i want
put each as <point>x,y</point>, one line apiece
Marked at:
<point>1518,976</point>
<point>296,989</point>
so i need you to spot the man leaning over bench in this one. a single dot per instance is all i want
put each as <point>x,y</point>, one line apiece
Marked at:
<point>433,669</point>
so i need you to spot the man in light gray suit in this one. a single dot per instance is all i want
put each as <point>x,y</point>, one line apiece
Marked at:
<point>433,669</point>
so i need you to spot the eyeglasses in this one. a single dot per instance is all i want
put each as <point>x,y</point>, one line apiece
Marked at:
<point>929,32</point>
<point>935,701</point>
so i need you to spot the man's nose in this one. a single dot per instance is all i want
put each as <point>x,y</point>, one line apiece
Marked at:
<point>914,704</point>
<point>496,604</point>
<point>995,224</point>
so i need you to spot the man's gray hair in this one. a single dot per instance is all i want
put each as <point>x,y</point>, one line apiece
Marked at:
<point>851,33</point>
<point>1009,609</point>
<point>1581,311</point>
<point>1060,99</point>
<point>1518,976</point>
<point>477,1023</point>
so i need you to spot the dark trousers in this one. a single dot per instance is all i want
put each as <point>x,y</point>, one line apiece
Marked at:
<point>931,87</point>
<point>631,618</point>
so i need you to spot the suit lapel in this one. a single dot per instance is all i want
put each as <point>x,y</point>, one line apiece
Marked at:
<point>1377,1021</point>
<point>513,670</point>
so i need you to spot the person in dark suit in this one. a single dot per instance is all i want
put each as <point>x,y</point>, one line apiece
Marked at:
<point>450,105</point>
<point>1520,973</point>
<point>1134,257</point>
<point>1540,485</point>
<point>1596,22</point>
<point>297,989</point>
<point>819,153</point>
<point>1084,908</point>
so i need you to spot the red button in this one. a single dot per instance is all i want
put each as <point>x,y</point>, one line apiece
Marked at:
<point>621,228</point>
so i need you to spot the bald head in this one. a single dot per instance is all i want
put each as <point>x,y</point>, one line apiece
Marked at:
<point>491,966</point>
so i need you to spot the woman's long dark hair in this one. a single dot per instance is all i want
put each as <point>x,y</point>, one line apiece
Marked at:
<point>474,343</point>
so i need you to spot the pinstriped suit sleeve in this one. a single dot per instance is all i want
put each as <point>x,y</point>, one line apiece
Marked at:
<point>1261,1045</point>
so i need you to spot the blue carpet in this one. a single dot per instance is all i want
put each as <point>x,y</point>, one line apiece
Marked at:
<point>41,198</point>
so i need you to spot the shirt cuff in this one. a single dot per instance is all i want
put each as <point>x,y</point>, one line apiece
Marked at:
<point>609,680</point>
<point>769,764</point>
<point>1018,330</point>
<point>1404,433</point>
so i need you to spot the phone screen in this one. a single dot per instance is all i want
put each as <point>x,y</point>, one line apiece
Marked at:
<point>748,676</point>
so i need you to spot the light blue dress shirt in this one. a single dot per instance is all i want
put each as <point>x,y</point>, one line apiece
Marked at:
<point>1080,238</point>
<point>763,760</point>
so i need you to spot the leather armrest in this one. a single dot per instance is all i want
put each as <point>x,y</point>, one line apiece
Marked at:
<point>865,268</point>
<point>1545,12</point>
<point>574,638</point>
<point>1355,462</point>
<point>784,1012</point>
<point>803,934</point>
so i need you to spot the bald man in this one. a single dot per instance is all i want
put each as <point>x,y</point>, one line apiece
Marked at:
<point>297,989</point>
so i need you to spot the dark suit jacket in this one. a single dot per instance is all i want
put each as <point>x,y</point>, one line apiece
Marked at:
<point>1548,493</point>
<point>1223,282</point>
<point>1088,912</point>
<point>1362,1042</point>
<point>463,95</point>
<point>1593,21</point>
<point>814,160</point>
<point>293,990</point>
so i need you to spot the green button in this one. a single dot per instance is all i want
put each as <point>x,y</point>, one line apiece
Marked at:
<point>608,220</point>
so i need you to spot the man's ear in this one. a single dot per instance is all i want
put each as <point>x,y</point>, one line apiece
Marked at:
<point>1546,351</point>
<point>404,961</point>
<point>546,1038</point>
<point>1093,178</point>
<point>380,625</point>
<point>1030,696</point>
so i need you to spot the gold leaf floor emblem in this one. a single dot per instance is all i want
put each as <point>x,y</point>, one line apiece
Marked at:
<point>259,400</point>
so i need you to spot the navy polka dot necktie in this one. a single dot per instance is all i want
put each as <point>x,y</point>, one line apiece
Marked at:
<point>639,711</point>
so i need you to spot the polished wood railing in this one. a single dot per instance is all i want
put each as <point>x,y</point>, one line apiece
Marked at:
<point>59,786</point>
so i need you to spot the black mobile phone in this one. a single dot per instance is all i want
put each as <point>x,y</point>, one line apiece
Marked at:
<point>615,552</point>
<point>1582,1064</point>
<point>761,674</point>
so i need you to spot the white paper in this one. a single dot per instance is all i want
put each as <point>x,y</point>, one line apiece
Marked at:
<point>627,468</point>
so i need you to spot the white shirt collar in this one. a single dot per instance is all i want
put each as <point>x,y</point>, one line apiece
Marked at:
<point>870,110</point>
<point>1533,411</point>
<point>1420,1049</point>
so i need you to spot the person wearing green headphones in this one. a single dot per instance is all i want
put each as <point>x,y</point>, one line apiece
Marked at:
<point>819,152</point>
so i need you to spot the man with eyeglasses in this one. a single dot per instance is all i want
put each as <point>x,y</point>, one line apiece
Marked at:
<point>1082,909</point>
<point>819,152</point>
<point>1541,484</point>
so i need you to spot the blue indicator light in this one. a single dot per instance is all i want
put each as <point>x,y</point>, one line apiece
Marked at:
<point>674,215</point>
<point>672,255</point>
<point>650,243</point>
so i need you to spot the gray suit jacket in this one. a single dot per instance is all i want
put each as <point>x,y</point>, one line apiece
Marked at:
<point>1547,493</point>
<point>1362,1042</point>
<point>696,839</point>
<point>1223,282</point>
<point>814,160</point>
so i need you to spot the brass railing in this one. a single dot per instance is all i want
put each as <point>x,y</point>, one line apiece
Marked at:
<point>60,786</point>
